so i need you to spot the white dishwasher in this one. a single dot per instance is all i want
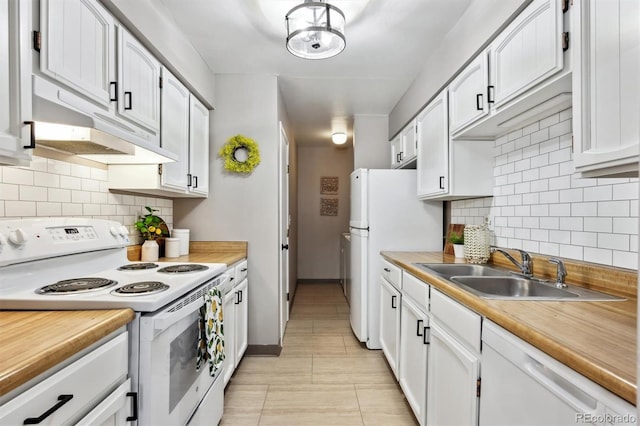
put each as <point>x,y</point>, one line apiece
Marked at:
<point>521,385</point>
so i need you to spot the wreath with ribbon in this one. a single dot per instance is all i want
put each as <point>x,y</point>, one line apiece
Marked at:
<point>241,154</point>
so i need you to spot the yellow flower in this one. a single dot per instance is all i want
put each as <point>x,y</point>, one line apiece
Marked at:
<point>158,231</point>
<point>152,229</point>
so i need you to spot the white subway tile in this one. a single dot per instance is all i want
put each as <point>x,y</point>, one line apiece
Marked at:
<point>614,241</point>
<point>19,208</point>
<point>624,225</point>
<point>531,246</point>
<point>550,197</point>
<point>560,209</point>
<point>598,224</point>
<point>633,207</point>
<point>633,244</point>
<point>49,180</point>
<point>523,165</point>
<point>548,222</point>
<point>531,174</point>
<point>33,193</point>
<point>81,171</point>
<point>515,134</point>
<point>572,223</point>
<point>540,235</point>
<point>571,195</point>
<point>514,156</point>
<point>103,186</point>
<point>601,256</point>
<point>549,121</point>
<point>531,222</point>
<point>80,197</point>
<point>107,209</point>
<point>566,114</point>
<point>507,169</point>
<point>501,200</point>
<point>500,180</point>
<point>584,209</point>
<point>625,191</point>
<point>45,209</point>
<point>58,167</point>
<point>598,193</point>
<point>612,181</point>
<point>128,199</point>
<point>501,159</point>
<point>571,252</point>
<point>523,142</point>
<point>515,177</point>
<point>531,198</point>
<point>70,209</point>
<point>578,182</point>
<point>625,259</point>
<point>566,168</point>
<point>613,208</point>
<point>514,222</point>
<point>549,146</point>
<point>99,174</point>
<point>501,140</point>
<point>560,156</point>
<point>540,160</point>
<point>90,185</point>
<point>540,185</point>
<point>2,213</point>
<point>585,239</point>
<point>523,188</point>
<point>531,151</point>
<point>566,141</point>
<point>515,200</point>
<point>531,128</point>
<point>523,210</point>
<point>70,182</point>
<point>550,249</point>
<point>17,176</point>
<point>522,234</point>
<point>98,198</point>
<point>539,136</point>
<point>9,191</point>
<point>549,171</point>
<point>560,182</point>
<point>59,195</point>
<point>562,128</point>
<point>508,211</point>
<point>38,164</point>
<point>540,210</point>
<point>91,209</point>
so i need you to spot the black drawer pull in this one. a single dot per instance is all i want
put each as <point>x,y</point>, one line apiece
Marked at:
<point>134,406</point>
<point>62,399</point>
<point>189,179</point>
<point>195,181</point>
<point>418,328</point>
<point>424,338</point>
<point>441,182</point>
<point>32,137</point>
<point>393,302</point>
<point>127,95</point>
<point>237,302</point>
<point>387,270</point>
<point>245,269</point>
<point>490,90</point>
<point>113,85</point>
<point>479,102</point>
<point>240,296</point>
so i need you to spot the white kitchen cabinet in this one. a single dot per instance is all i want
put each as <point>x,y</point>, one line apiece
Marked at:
<point>390,323</point>
<point>242,319</point>
<point>396,150</point>
<point>138,82</point>
<point>468,94</point>
<point>403,147</point>
<point>527,52</point>
<point>236,318</point>
<point>82,391</point>
<point>454,363</point>
<point>199,148</point>
<point>174,131</point>
<point>606,83</point>
<point>450,169</point>
<point>15,83</point>
<point>229,312</point>
<point>78,47</point>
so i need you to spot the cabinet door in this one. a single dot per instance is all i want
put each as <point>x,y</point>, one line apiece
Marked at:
<point>113,410</point>
<point>15,82</point>
<point>78,47</point>
<point>396,151</point>
<point>433,148</point>
<point>229,311</point>
<point>139,81</point>
<point>174,134</point>
<point>390,323</point>
<point>453,376</point>
<point>528,51</point>
<point>199,147</point>
<point>242,319</point>
<point>468,94</point>
<point>408,143</point>
<point>606,87</point>
<point>413,357</point>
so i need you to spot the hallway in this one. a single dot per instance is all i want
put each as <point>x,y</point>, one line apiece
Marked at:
<point>323,376</point>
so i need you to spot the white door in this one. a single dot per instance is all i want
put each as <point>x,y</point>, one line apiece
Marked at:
<point>433,148</point>
<point>468,94</point>
<point>413,357</point>
<point>283,171</point>
<point>390,323</point>
<point>453,373</point>
<point>199,147</point>
<point>78,47</point>
<point>359,187</point>
<point>396,151</point>
<point>358,280</point>
<point>242,319</point>
<point>15,82</point>
<point>139,81</point>
<point>408,143</point>
<point>115,409</point>
<point>174,133</point>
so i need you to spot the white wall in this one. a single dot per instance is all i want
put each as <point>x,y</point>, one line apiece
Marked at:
<point>540,205</point>
<point>370,142</point>
<point>319,236</point>
<point>479,23</point>
<point>53,188</point>
<point>244,207</point>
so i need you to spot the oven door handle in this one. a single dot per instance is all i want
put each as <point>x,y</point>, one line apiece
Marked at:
<point>165,320</point>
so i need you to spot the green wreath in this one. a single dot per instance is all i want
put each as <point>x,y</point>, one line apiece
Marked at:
<point>235,149</point>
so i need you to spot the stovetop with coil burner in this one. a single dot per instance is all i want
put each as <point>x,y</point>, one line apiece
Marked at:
<point>65,264</point>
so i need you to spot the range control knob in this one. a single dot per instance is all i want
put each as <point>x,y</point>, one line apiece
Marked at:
<point>124,230</point>
<point>18,237</point>
<point>114,231</point>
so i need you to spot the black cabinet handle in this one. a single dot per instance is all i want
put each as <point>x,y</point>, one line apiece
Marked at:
<point>240,296</point>
<point>393,302</point>
<point>418,328</point>
<point>284,247</point>
<point>387,270</point>
<point>237,302</point>
<point>424,334</point>
<point>245,269</point>
<point>397,157</point>
<point>441,182</point>
<point>479,102</point>
<point>189,179</point>
<point>401,155</point>
<point>62,399</point>
<point>127,95</point>
<point>113,86</point>
<point>32,137</point>
<point>195,181</point>
<point>490,90</point>
<point>134,406</point>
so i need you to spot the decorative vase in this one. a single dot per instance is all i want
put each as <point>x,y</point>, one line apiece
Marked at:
<point>458,250</point>
<point>150,251</point>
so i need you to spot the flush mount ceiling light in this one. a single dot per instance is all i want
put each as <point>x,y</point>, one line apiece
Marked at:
<point>339,138</point>
<point>315,30</point>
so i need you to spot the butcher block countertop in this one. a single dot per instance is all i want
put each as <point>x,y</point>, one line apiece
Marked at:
<point>228,252</point>
<point>597,339</point>
<point>35,341</point>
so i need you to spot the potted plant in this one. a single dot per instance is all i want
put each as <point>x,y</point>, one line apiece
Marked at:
<point>457,239</point>
<point>151,227</point>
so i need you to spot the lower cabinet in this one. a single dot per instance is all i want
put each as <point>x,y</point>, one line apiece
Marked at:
<point>229,310</point>
<point>390,323</point>
<point>242,319</point>
<point>236,318</point>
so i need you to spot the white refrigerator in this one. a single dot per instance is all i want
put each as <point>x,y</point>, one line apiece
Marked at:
<point>385,215</point>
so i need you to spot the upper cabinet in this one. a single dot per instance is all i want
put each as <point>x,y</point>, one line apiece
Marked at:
<point>404,147</point>
<point>606,84</point>
<point>199,150</point>
<point>15,83</point>
<point>139,82</point>
<point>468,94</point>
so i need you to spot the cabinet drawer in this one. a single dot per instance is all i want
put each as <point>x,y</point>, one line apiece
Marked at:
<point>241,271</point>
<point>458,319</point>
<point>392,274</point>
<point>232,278</point>
<point>416,289</point>
<point>84,383</point>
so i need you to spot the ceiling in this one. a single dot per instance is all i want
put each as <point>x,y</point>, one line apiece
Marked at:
<point>388,43</point>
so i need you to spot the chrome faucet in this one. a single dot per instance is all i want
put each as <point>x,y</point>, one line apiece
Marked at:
<point>561,272</point>
<point>525,266</point>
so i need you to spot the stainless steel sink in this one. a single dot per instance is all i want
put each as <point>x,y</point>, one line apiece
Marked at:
<point>494,283</point>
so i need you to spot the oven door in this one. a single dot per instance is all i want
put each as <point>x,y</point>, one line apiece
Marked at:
<point>170,386</point>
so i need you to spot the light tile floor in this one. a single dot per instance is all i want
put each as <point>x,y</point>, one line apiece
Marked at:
<point>323,376</point>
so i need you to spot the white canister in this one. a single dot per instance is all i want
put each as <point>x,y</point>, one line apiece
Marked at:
<point>183,236</point>
<point>172,247</point>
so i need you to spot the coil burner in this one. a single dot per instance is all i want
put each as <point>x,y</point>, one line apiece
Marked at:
<point>138,266</point>
<point>76,285</point>
<point>187,267</point>
<point>140,288</point>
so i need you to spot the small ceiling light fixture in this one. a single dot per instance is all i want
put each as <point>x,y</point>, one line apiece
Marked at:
<point>339,138</point>
<point>315,30</point>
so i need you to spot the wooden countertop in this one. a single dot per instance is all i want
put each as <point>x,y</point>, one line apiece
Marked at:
<point>35,341</point>
<point>597,339</point>
<point>228,252</point>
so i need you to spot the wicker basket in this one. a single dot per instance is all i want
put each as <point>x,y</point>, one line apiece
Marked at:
<point>476,243</point>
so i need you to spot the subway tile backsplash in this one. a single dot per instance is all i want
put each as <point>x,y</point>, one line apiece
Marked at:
<point>58,188</point>
<point>540,205</point>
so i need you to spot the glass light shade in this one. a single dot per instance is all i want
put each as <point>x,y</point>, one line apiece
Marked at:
<point>339,138</point>
<point>315,30</point>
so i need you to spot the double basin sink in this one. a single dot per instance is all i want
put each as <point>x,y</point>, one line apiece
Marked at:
<point>494,283</point>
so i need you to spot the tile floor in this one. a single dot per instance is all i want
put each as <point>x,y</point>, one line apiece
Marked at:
<point>323,376</point>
